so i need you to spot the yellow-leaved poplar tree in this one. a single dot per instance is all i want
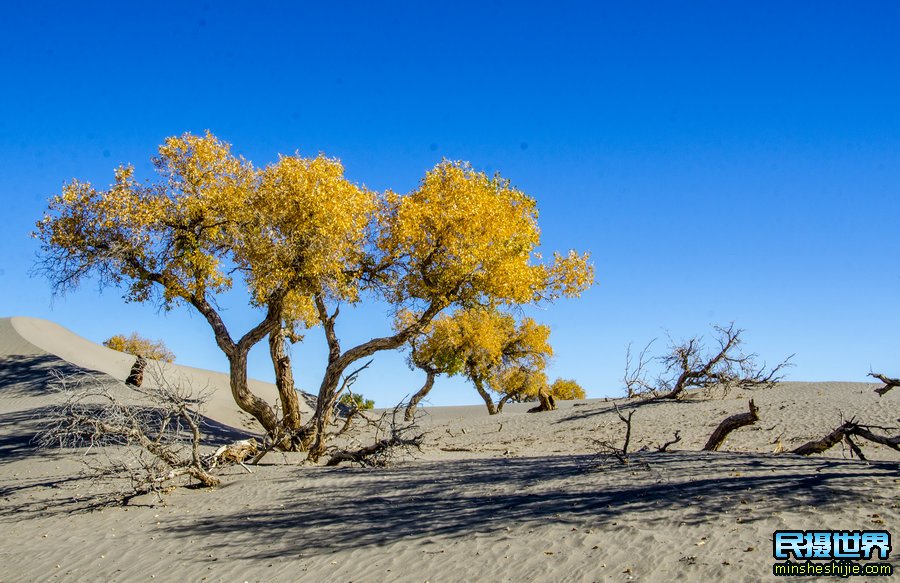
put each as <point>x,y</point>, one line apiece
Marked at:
<point>490,349</point>
<point>566,390</point>
<point>137,345</point>
<point>303,240</point>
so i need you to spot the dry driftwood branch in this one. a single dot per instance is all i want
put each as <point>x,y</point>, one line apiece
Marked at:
<point>688,366</point>
<point>730,424</point>
<point>845,432</point>
<point>149,435</point>
<point>235,453</point>
<point>889,383</point>
<point>392,436</point>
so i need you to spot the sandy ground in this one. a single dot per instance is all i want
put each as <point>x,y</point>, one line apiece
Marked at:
<point>515,497</point>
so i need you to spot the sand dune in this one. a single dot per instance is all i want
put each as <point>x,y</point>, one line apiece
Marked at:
<point>24,337</point>
<point>514,497</point>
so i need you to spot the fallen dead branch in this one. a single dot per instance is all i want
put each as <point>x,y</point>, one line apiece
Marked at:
<point>730,424</point>
<point>846,432</point>
<point>392,437</point>
<point>889,383</point>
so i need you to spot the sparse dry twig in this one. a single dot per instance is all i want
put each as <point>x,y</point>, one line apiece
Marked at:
<point>151,435</point>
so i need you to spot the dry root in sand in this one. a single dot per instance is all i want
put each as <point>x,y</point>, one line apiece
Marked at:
<point>846,432</point>
<point>393,437</point>
<point>688,365</point>
<point>148,437</point>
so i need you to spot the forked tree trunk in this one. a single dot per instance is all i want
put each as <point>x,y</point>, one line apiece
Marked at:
<point>284,381</point>
<point>502,402</point>
<point>421,394</point>
<point>488,401</point>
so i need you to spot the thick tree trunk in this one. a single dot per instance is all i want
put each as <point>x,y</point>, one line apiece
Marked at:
<point>547,402</point>
<point>324,410</point>
<point>414,400</point>
<point>136,375</point>
<point>502,402</point>
<point>730,424</point>
<point>246,400</point>
<point>488,401</point>
<point>284,381</point>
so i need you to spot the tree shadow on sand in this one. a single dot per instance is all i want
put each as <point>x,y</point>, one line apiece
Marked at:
<point>328,510</point>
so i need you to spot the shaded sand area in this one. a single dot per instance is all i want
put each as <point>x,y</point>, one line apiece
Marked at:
<point>516,497</point>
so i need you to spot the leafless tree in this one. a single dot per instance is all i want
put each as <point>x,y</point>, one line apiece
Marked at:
<point>690,365</point>
<point>149,435</point>
<point>609,449</point>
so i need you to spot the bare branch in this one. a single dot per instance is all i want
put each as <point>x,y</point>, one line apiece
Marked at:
<point>687,366</point>
<point>730,424</point>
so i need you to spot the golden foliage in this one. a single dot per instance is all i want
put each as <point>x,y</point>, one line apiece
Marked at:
<point>566,390</point>
<point>139,346</point>
<point>462,237</point>
<point>294,227</point>
<point>486,346</point>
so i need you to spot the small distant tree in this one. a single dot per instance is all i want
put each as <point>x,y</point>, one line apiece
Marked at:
<point>357,401</point>
<point>490,349</point>
<point>137,345</point>
<point>566,390</point>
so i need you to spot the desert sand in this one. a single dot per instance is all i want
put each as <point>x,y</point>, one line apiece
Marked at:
<point>513,497</point>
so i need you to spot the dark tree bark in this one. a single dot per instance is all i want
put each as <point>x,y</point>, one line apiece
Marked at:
<point>845,432</point>
<point>136,376</point>
<point>826,443</point>
<point>730,424</point>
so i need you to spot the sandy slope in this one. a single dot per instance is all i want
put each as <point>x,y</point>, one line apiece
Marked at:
<point>23,337</point>
<point>517,497</point>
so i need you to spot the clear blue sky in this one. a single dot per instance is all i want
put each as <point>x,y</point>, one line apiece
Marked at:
<point>721,160</point>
